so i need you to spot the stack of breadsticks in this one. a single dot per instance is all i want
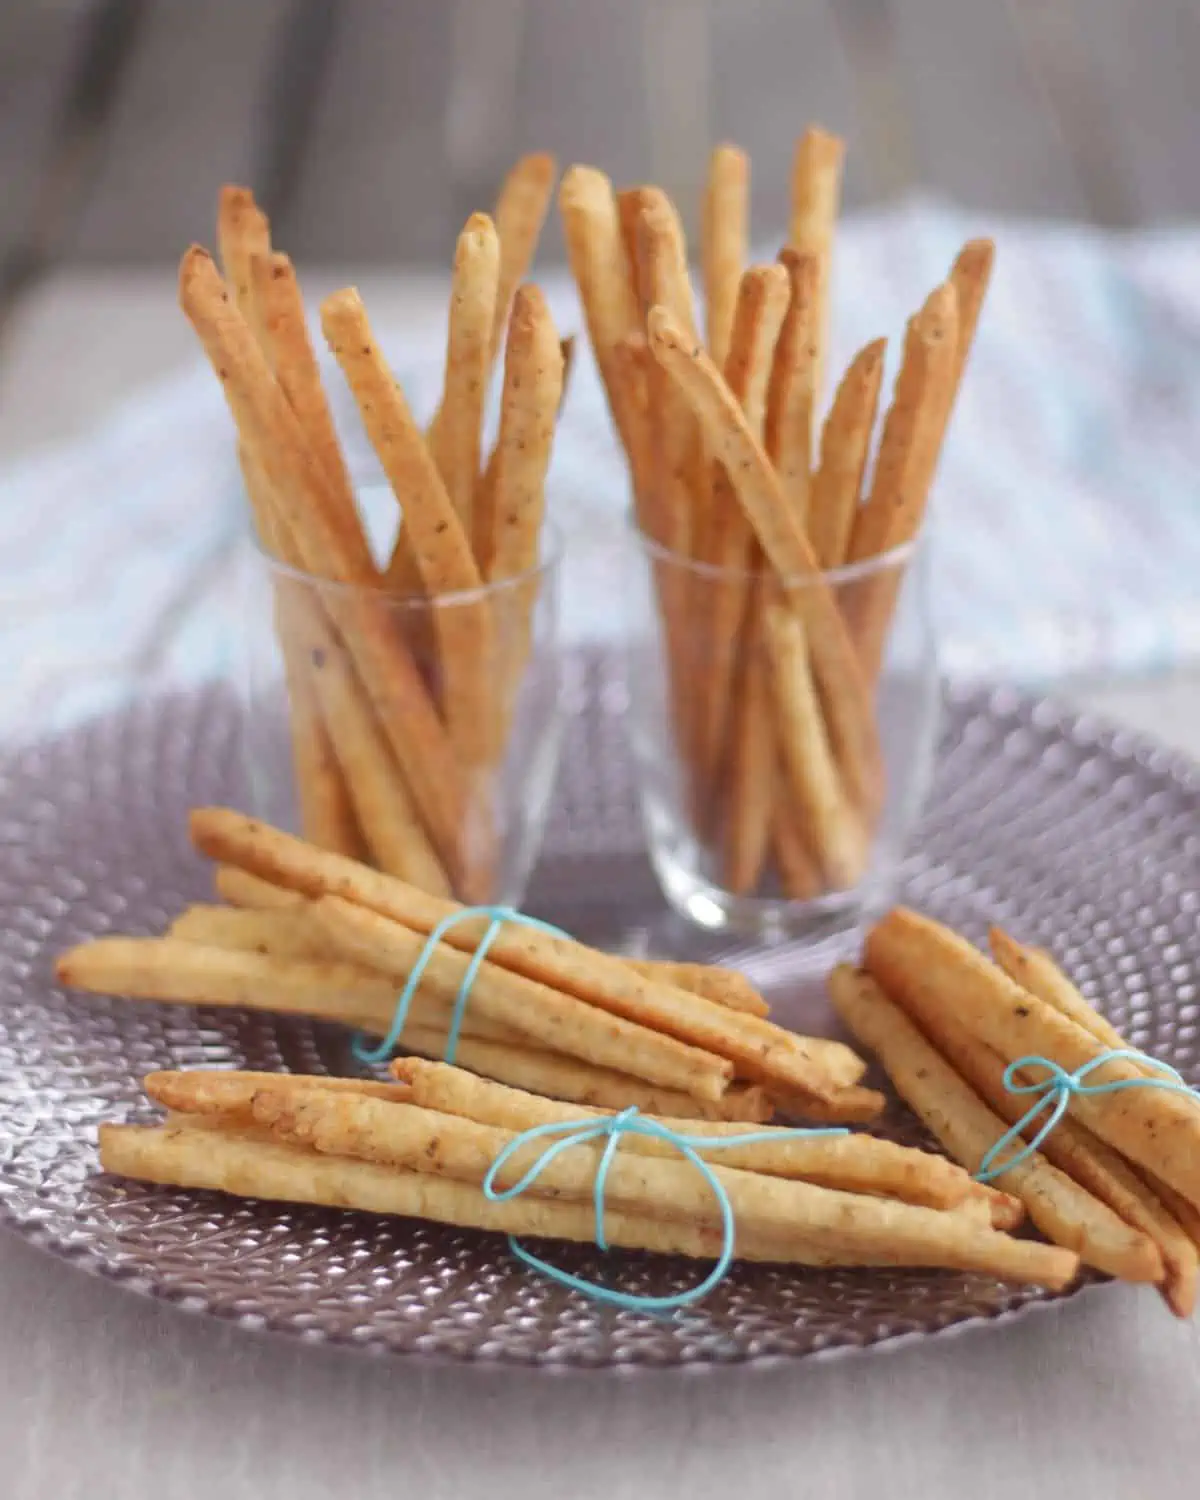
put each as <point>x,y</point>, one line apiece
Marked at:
<point>422,1147</point>
<point>322,935</point>
<point>399,714</point>
<point>749,501</point>
<point>1118,1178</point>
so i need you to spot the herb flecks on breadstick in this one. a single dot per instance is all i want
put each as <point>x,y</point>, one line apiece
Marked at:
<point>437,536</point>
<point>967,1128</point>
<point>845,445</point>
<point>455,443</point>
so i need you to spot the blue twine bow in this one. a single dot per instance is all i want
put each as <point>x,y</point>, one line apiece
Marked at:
<point>498,916</point>
<point>611,1128</point>
<point>1056,1090</point>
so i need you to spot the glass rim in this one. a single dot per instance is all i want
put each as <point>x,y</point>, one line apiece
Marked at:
<point>882,562</point>
<point>553,547</point>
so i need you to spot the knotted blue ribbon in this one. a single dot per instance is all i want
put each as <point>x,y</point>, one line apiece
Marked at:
<point>610,1129</point>
<point>1055,1092</point>
<point>498,916</point>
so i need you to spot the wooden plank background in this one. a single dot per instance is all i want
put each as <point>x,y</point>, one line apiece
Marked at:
<point>374,128</point>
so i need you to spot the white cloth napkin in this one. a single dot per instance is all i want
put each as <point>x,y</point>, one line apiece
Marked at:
<point>1067,517</point>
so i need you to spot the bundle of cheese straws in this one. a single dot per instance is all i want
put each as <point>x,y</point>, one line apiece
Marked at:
<point>321,935</point>
<point>1028,1086</point>
<point>399,716</point>
<point>748,502</point>
<point>439,1144</point>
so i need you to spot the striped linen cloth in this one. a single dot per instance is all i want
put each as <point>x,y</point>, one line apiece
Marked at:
<point>1067,517</point>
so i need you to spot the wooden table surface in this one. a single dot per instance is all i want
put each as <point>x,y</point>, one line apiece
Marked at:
<point>104,1396</point>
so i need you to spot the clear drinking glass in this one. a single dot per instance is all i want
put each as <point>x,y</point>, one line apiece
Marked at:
<point>421,735</point>
<point>783,736</point>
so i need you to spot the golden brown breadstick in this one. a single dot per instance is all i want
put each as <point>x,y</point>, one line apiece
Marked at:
<point>592,228</point>
<point>242,233</point>
<point>908,454</point>
<point>845,444</point>
<point>724,238</point>
<point>283,331</point>
<point>970,276</point>
<point>967,1128</point>
<point>798,872</point>
<point>663,278</point>
<point>748,788</point>
<point>556,1076</point>
<point>629,213</point>
<point>509,522</point>
<point>912,430</point>
<point>788,430</point>
<point>212,1091</point>
<point>855,1163</point>
<point>520,213</point>
<point>456,436</point>
<point>816,195</point>
<point>185,973</point>
<point>326,809</point>
<point>755,795</point>
<point>487,480</point>
<point>797,1215</point>
<point>849,1105</point>
<point>285,932</point>
<point>761,1050</point>
<point>833,827</point>
<point>1035,970</point>
<point>436,534</point>
<point>548,1017</point>
<point>382,803</point>
<point>932,970</point>
<point>725,986</point>
<point>844,695</point>
<point>276,314</point>
<point>439,540</point>
<point>383,806</point>
<point>508,532</point>
<point>240,888</point>
<point>725,539</point>
<point>327,546</point>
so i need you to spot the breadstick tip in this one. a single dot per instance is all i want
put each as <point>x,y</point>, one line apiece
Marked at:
<point>479,226</point>
<point>580,182</point>
<point>977,253</point>
<point>939,312</point>
<point>822,145</point>
<point>728,155</point>
<point>198,269</point>
<point>539,166</point>
<point>337,308</point>
<point>664,332</point>
<point>868,357</point>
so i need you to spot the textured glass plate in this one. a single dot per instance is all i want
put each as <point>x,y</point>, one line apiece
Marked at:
<point>1067,832</point>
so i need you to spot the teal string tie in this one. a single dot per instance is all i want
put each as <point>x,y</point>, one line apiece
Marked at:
<point>610,1129</point>
<point>1055,1092</point>
<point>498,916</point>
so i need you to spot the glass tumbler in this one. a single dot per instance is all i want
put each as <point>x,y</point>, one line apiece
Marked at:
<point>418,734</point>
<point>783,733</point>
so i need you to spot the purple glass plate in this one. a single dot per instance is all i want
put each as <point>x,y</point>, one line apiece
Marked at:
<point>1070,833</point>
